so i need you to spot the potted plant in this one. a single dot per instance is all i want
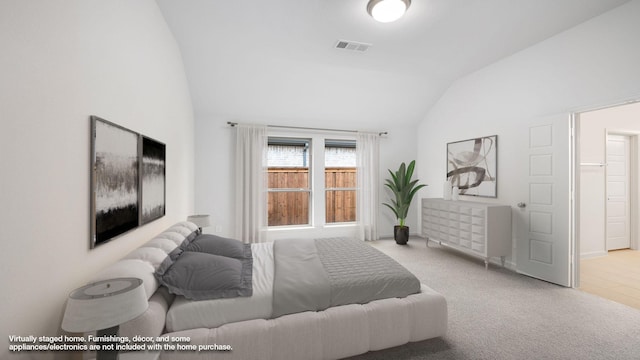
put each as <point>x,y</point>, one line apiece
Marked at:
<point>403,189</point>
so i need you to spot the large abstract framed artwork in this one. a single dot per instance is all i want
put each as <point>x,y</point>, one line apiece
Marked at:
<point>115,178</point>
<point>472,166</point>
<point>153,180</point>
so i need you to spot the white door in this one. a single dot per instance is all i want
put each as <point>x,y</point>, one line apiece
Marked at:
<point>618,226</point>
<point>542,218</point>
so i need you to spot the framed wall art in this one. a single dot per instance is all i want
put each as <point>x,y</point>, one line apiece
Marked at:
<point>153,180</point>
<point>127,180</point>
<point>115,181</point>
<point>472,166</point>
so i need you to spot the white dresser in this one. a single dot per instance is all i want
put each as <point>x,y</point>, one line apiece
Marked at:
<point>475,228</point>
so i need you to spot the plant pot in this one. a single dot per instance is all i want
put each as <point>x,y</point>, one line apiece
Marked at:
<point>401,234</point>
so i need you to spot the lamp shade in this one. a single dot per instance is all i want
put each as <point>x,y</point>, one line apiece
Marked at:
<point>387,10</point>
<point>104,304</point>
<point>200,220</point>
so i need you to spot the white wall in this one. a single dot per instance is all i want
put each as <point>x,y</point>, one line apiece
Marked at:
<point>592,64</point>
<point>61,62</point>
<point>215,184</point>
<point>593,128</point>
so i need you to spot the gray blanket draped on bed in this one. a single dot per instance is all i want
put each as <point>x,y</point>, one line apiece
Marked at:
<point>315,274</point>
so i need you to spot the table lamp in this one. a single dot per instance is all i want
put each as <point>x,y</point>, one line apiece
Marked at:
<point>103,306</point>
<point>200,221</point>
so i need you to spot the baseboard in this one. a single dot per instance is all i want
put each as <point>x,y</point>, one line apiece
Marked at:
<point>592,254</point>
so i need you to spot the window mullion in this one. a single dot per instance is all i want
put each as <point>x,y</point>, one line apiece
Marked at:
<point>317,185</point>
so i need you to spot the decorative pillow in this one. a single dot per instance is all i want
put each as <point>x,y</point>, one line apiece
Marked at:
<point>193,235</point>
<point>203,276</point>
<point>217,245</point>
<point>179,234</point>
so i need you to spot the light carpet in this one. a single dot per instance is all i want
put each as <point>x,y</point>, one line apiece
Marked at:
<point>499,314</point>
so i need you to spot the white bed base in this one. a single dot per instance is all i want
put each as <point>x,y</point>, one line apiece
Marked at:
<point>334,333</point>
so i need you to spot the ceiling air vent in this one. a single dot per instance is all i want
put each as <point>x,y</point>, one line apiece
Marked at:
<point>352,45</point>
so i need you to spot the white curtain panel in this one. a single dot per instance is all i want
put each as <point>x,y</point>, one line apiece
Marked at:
<point>251,183</point>
<point>367,163</point>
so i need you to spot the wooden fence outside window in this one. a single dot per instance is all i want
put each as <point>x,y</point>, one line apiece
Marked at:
<point>292,207</point>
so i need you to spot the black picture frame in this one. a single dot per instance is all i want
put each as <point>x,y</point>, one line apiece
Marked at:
<point>115,180</point>
<point>152,179</point>
<point>472,166</point>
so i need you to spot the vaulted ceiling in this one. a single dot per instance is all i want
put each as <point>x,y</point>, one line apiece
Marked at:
<point>275,61</point>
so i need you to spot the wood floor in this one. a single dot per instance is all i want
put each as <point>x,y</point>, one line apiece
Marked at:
<point>615,277</point>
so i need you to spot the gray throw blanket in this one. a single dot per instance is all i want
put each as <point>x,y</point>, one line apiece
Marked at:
<point>312,275</point>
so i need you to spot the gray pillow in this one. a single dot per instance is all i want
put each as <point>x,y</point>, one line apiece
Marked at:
<point>203,276</point>
<point>217,245</point>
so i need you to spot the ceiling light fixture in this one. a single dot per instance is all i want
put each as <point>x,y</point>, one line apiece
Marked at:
<point>387,10</point>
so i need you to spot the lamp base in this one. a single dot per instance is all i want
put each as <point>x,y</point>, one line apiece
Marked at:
<point>108,348</point>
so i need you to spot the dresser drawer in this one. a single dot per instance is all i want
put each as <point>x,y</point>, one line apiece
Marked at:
<point>477,238</point>
<point>477,212</point>
<point>477,247</point>
<point>477,229</point>
<point>453,239</point>
<point>465,210</point>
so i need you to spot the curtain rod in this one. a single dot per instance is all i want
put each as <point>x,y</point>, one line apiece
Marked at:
<point>232,124</point>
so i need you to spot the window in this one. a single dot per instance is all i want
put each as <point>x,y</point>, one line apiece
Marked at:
<point>289,181</point>
<point>298,194</point>
<point>340,181</point>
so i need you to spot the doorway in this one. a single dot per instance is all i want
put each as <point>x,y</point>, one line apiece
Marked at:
<point>607,206</point>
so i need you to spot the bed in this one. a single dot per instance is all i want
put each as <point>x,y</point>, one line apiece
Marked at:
<point>335,320</point>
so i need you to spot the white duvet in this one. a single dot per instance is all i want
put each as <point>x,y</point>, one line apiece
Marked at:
<point>187,314</point>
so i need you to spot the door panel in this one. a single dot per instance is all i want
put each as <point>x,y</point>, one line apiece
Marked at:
<point>542,224</point>
<point>618,225</point>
